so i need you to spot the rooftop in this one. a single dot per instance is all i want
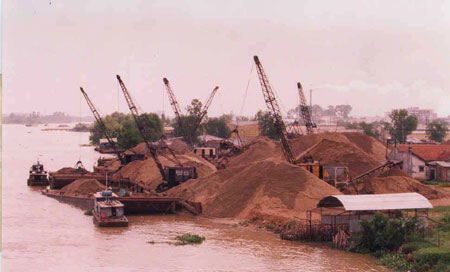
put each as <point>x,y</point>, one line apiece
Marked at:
<point>376,202</point>
<point>428,152</point>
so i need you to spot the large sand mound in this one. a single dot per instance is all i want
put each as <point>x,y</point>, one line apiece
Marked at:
<point>366,143</point>
<point>395,180</point>
<point>146,172</point>
<point>83,187</point>
<point>260,148</point>
<point>342,153</point>
<point>264,187</point>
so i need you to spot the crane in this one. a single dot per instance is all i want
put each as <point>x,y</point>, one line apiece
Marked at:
<point>305,110</point>
<point>177,110</point>
<point>102,125</point>
<point>274,109</point>
<point>141,127</point>
<point>172,175</point>
<point>203,112</point>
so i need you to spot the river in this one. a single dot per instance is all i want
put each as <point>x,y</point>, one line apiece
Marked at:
<point>42,234</point>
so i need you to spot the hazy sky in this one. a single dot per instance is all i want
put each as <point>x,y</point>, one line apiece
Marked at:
<point>374,55</point>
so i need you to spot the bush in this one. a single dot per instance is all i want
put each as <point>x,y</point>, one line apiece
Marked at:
<point>414,246</point>
<point>383,234</point>
<point>426,258</point>
<point>395,261</point>
<point>188,238</point>
<point>88,212</point>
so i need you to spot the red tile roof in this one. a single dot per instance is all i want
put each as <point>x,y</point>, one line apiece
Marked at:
<point>428,152</point>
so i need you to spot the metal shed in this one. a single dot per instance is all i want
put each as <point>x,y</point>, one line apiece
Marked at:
<point>378,202</point>
<point>346,211</point>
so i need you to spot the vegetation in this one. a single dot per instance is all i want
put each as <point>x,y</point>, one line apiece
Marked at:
<point>437,131</point>
<point>218,127</point>
<point>403,124</point>
<point>266,124</point>
<point>80,127</point>
<point>38,118</point>
<point>399,244</point>
<point>88,212</point>
<point>189,238</point>
<point>123,127</point>
<point>436,182</point>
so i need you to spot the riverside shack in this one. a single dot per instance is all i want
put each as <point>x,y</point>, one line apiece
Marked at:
<point>346,211</point>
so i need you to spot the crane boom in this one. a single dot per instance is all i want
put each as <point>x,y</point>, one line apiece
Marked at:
<point>177,110</point>
<point>102,124</point>
<point>274,109</point>
<point>207,104</point>
<point>140,126</point>
<point>305,110</point>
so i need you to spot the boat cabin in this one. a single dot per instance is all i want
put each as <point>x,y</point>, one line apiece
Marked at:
<point>108,210</point>
<point>38,176</point>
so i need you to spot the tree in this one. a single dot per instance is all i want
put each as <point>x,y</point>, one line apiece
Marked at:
<point>437,131</point>
<point>124,128</point>
<point>218,127</point>
<point>266,124</point>
<point>343,110</point>
<point>369,129</point>
<point>189,122</point>
<point>402,125</point>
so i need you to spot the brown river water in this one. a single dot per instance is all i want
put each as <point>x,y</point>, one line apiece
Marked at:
<point>42,234</point>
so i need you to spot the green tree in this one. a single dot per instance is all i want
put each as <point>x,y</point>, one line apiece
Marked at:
<point>189,122</point>
<point>124,128</point>
<point>218,127</point>
<point>369,129</point>
<point>402,124</point>
<point>266,124</point>
<point>437,131</point>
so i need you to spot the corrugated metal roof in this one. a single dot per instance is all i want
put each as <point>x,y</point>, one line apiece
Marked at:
<point>377,202</point>
<point>443,164</point>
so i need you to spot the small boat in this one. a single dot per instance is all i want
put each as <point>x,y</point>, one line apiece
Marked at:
<point>38,176</point>
<point>108,210</point>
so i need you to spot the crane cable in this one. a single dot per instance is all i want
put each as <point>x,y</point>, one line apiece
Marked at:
<point>246,91</point>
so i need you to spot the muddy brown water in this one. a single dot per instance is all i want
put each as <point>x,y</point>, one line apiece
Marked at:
<point>42,234</point>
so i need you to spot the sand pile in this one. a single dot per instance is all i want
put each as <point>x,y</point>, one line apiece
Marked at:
<point>261,148</point>
<point>342,153</point>
<point>70,171</point>
<point>83,187</point>
<point>146,172</point>
<point>178,146</point>
<point>264,187</point>
<point>395,180</point>
<point>366,143</point>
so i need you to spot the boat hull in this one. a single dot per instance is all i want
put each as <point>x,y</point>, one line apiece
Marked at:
<point>110,222</point>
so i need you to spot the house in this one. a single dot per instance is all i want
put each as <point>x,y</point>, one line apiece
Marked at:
<point>441,170</point>
<point>418,160</point>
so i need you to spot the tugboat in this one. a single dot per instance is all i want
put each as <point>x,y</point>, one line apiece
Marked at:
<point>108,210</point>
<point>38,176</point>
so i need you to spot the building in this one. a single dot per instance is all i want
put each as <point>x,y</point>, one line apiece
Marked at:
<point>418,160</point>
<point>441,171</point>
<point>347,211</point>
<point>424,116</point>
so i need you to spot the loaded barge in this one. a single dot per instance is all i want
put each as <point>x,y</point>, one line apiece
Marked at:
<point>134,204</point>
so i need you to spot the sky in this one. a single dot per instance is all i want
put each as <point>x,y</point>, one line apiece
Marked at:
<point>374,55</point>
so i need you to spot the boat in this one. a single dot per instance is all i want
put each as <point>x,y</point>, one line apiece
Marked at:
<point>38,176</point>
<point>108,210</point>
